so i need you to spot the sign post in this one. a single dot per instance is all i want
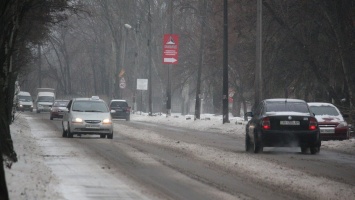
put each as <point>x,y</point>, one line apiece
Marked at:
<point>170,56</point>
<point>142,84</point>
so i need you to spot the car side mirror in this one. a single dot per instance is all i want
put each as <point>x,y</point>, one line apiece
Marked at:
<point>248,114</point>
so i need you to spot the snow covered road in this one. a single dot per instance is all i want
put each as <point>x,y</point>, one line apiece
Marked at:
<point>160,158</point>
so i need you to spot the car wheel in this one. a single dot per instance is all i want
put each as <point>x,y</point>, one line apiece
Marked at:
<point>110,136</point>
<point>304,150</point>
<point>69,133</point>
<point>247,142</point>
<point>258,148</point>
<point>128,118</point>
<point>64,132</point>
<point>51,118</point>
<point>37,111</point>
<point>102,135</point>
<point>314,150</point>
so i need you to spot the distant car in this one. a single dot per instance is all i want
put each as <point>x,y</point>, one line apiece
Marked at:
<point>120,108</point>
<point>331,122</point>
<point>282,123</point>
<point>87,116</point>
<point>24,101</point>
<point>58,108</point>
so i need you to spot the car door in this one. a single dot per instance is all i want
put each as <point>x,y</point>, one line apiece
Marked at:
<point>66,116</point>
<point>253,123</point>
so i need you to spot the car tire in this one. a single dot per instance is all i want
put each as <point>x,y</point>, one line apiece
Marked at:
<point>314,150</point>
<point>64,134</point>
<point>128,118</point>
<point>69,133</point>
<point>304,150</point>
<point>258,148</point>
<point>110,136</point>
<point>247,142</point>
<point>38,111</point>
<point>102,135</point>
<point>51,118</point>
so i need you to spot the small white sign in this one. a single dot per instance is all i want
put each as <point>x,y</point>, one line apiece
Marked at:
<point>142,84</point>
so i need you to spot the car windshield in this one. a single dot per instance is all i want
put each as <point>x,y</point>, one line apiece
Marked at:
<point>24,98</point>
<point>46,99</point>
<point>90,106</point>
<point>324,110</point>
<point>119,104</point>
<point>60,103</point>
<point>284,106</point>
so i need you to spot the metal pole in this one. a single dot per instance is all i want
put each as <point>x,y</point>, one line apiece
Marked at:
<point>168,103</point>
<point>150,62</point>
<point>39,66</point>
<point>258,68</point>
<point>225,64</point>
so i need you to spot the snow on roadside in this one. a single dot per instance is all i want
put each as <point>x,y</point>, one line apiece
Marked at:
<point>210,122</point>
<point>288,179</point>
<point>29,177</point>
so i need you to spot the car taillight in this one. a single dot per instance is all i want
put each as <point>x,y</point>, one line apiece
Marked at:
<point>128,109</point>
<point>265,124</point>
<point>312,124</point>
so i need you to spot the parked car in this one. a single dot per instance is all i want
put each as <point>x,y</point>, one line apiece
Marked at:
<point>331,122</point>
<point>120,109</point>
<point>282,123</point>
<point>87,116</point>
<point>58,108</point>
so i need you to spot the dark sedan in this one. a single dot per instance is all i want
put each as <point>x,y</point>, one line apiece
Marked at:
<point>282,123</point>
<point>120,109</point>
<point>58,108</point>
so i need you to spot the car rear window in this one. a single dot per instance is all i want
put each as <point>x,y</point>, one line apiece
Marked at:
<point>284,106</point>
<point>61,103</point>
<point>119,104</point>
<point>324,110</point>
<point>89,106</point>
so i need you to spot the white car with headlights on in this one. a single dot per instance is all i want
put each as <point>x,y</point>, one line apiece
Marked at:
<point>87,116</point>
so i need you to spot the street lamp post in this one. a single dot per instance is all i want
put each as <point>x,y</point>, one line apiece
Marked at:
<point>225,64</point>
<point>123,56</point>
<point>150,61</point>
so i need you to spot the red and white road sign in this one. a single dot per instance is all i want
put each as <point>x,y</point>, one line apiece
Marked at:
<point>170,49</point>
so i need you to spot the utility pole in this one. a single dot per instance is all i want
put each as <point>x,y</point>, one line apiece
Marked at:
<point>168,103</point>
<point>150,62</point>
<point>225,63</point>
<point>39,66</point>
<point>258,68</point>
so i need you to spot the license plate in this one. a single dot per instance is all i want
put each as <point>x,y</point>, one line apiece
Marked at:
<point>327,130</point>
<point>290,123</point>
<point>92,125</point>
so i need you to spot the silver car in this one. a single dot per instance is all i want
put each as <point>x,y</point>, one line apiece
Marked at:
<point>87,116</point>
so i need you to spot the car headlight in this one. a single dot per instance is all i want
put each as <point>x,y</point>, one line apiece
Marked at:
<point>342,124</point>
<point>106,121</point>
<point>20,105</point>
<point>77,120</point>
<point>31,106</point>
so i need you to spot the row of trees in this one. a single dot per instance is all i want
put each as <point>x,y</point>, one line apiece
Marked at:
<point>307,51</point>
<point>23,24</point>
